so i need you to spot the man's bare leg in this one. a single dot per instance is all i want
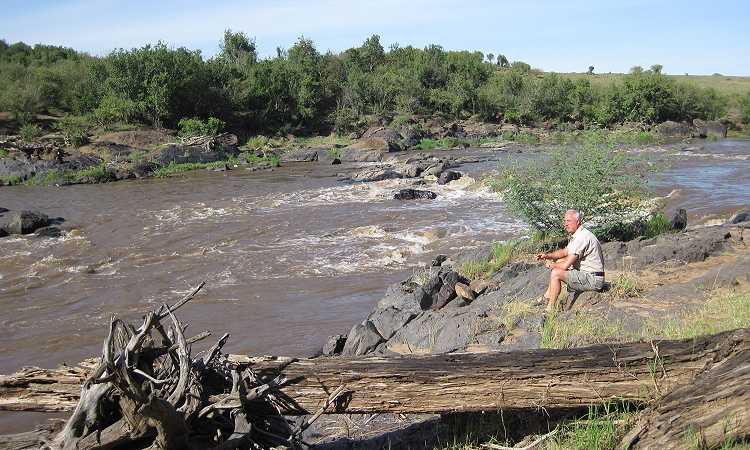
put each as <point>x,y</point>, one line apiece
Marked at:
<point>556,277</point>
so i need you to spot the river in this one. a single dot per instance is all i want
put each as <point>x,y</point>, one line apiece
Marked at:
<point>290,256</point>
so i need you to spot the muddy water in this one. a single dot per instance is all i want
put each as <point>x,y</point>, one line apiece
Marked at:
<point>291,256</point>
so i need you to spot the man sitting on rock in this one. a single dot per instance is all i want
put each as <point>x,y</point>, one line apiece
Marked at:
<point>580,265</point>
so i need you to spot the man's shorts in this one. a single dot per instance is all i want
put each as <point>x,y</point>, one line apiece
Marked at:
<point>579,281</point>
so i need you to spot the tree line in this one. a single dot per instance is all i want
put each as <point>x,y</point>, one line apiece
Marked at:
<point>301,90</point>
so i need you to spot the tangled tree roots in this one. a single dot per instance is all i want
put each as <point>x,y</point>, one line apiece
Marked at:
<point>149,392</point>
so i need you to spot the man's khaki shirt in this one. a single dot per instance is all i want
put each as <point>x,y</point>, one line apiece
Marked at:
<point>584,244</point>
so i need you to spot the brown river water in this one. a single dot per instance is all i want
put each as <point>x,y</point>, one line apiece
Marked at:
<point>290,256</point>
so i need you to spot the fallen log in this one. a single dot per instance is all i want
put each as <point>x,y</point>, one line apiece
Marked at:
<point>462,382</point>
<point>710,412</point>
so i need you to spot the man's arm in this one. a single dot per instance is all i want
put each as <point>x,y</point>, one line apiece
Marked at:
<point>557,254</point>
<point>564,264</point>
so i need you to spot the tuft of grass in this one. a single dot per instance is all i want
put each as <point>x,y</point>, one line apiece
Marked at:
<point>257,142</point>
<point>11,180</point>
<point>515,311</point>
<point>174,168</point>
<point>93,174</point>
<point>445,143</point>
<point>51,177</point>
<point>3,153</point>
<point>600,428</point>
<point>581,328</point>
<point>502,254</point>
<point>656,225</point>
<point>137,155</point>
<point>625,285</point>
<point>333,152</point>
<point>721,312</point>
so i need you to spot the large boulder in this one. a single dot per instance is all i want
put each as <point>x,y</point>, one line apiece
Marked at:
<point>369,174</point>
<point>413,194</point>
<point>22,222</point>
<point>672,129</point>
<point>368,149</point>
<point>334,345</point>
<point>710,128</point>
<point>390,320</point>
<point>178,153</point>
<point>363,338</point>
<point>739,217</point>
<point>300,155</point>
<point>387,134</point>
<point>448,176</point>
<point>411,138</point>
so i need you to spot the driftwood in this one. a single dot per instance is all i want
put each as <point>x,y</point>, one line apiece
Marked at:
<point>147,391</point>
<point>461,382</point>
<point>709,412</point>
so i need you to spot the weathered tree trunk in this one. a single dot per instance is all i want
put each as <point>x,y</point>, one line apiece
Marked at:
<point>462,382</point>
<point>709,412</point>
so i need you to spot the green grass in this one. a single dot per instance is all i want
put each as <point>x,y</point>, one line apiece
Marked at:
<point>445,143</point>
<point>726,85</point>
<point>93,174</point>
<point>175,168</point>
<point>581,328</point>
<point>625,285</point>
<point>597,136</point>
<point>601,428</point>
<point>720,312</point>
<point>137,155</point>
<point>502,254</point>
<point>656,225</point>
<point>3,153</point>
<point>11,180</point>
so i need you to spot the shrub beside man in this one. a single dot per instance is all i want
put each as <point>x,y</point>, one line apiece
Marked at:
<point>580,265</point>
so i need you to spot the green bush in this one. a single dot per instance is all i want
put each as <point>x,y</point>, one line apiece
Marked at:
<point>745,102</point>
<point>114,109</point>
<point>3,153</point>
<point>197,127</point>
<point>29,132</point>
<point>593,179</point>
<point>74,129</point>
<point>93,174</point>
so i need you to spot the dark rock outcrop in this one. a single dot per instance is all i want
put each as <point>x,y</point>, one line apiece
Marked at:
<point>448,176</point>
<point>679,220</point>
<point>413,194</point>
<point>301,155</point>
<point>709,128</point>
<point>23,222</point>
<point>334,345</point>
<point>739,217</point>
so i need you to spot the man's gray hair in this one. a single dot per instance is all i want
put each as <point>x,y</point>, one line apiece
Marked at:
<point>574,212</point>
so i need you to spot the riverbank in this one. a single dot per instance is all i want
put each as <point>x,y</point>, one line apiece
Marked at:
<point>138,153</point>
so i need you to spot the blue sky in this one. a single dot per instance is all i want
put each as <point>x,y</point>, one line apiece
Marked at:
<point>684,36</point>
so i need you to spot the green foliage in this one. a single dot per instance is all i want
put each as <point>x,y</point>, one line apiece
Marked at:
<point>601,428</point>
<point>93,174</point>
<point>720,312</point>
<point>502,254</point>
<point>745,104</point>
<point>656,225</point>
<point>444,143</point>
<point>302,90</point>
<point>592,179</point>
<point>581,328</point>
<point>175,168</point>
<point>3,153</point>
<point>114,109</point>
<point>29,132</point>
<point>74,130</point>
<point>137,155</point>
<point>11,180</point>
<point>197,127</point>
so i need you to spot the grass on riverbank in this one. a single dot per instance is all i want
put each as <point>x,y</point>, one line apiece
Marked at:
<point>93,174</point>
<point>244,158</point>
<point>721,311</point>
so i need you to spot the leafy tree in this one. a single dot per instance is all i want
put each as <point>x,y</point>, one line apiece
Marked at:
<point>592,179</point>
<point>502,61</point>
<point>237,49</point>
<point>591,70</point>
